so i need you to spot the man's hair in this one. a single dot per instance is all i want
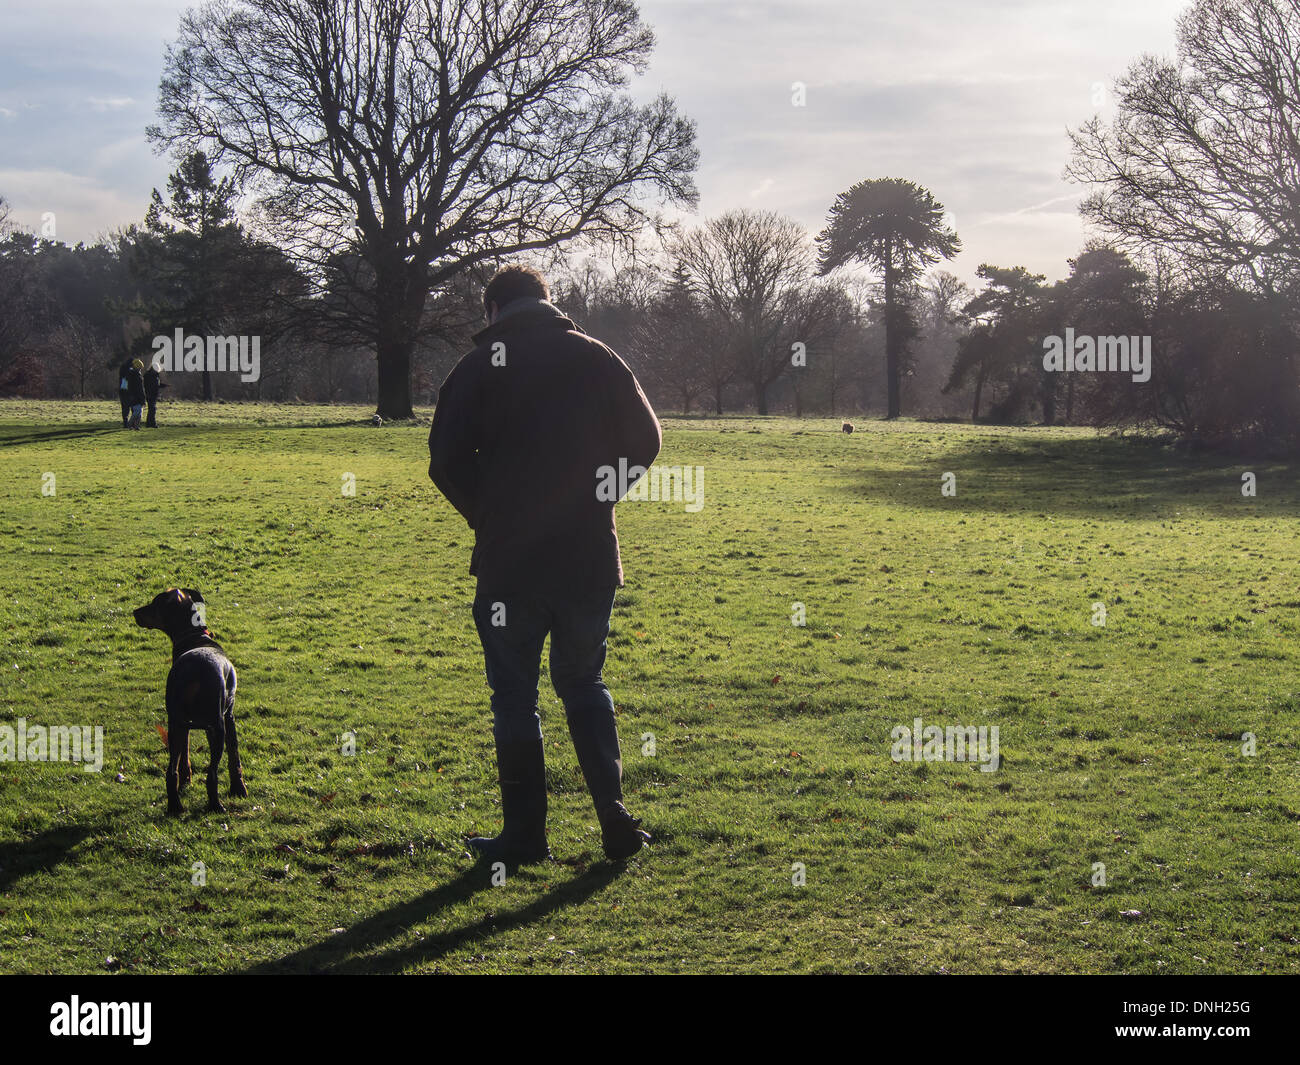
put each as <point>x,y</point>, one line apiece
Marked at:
<point>514,282</point>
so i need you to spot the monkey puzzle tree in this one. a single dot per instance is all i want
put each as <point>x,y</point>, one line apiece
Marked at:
<point>426,136</point>
<point>896,228</point>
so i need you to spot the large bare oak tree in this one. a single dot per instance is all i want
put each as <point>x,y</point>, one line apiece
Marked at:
<point>427,136</point>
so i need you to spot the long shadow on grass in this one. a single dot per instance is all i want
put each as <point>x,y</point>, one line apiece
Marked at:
<point>67,432</point>
<point>16,436</point>
<point>23,857</point>
<point>349,951</point>
<point>1106,478</point>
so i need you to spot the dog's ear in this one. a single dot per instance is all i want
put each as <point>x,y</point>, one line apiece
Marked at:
<point>194,595</point>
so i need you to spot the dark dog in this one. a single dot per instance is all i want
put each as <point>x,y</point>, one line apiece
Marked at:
<point>200,693</point>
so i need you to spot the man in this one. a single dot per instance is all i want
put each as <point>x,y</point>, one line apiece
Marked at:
<point>135,392</point>
<point>151,386</point>
<point>523,424</point>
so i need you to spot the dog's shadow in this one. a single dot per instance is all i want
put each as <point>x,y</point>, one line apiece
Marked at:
<point>352,951</point>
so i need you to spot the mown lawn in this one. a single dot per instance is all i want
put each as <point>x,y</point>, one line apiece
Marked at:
<point>1121,744</point>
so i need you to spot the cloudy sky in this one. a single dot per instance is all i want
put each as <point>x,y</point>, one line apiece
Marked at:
<point>970,98</point>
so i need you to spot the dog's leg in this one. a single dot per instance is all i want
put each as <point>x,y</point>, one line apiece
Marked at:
<point>237,788</point>
<point>174,744</point>
<point>186,769</point>
<point>216,743</point>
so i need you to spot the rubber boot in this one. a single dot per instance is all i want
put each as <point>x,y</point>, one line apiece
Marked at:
<point>521,767</point>
<point>595,740</point>
<point>620,833</point>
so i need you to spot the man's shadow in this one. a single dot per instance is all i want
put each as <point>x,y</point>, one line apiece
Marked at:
<point>40,436</point>
<point>39,853</point>
<point>347,952</point>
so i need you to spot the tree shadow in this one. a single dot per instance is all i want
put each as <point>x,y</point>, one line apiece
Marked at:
<point>1107,477</point>
<point>348,951</point>
<point>23,857</point>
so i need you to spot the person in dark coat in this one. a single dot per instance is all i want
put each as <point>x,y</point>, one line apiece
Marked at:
<point>135,391</point>
<point>523,427</point>
<point>152,385</point>
<point>124,392</point>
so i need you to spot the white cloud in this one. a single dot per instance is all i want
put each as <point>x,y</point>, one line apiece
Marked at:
<point>83,207</point>
<point>110,103</point>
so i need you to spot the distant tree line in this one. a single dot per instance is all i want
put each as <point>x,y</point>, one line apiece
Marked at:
<point>384,196</point>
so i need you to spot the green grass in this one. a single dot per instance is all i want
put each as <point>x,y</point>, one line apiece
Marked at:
<point>1121,744</point>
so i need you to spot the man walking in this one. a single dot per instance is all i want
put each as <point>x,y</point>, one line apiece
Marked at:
<point>522,426</point>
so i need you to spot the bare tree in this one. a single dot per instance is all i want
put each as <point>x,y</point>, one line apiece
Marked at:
<point>1203,155</point>
<point>427,136</point>
<point>77,349</point>
<point>753,271</point>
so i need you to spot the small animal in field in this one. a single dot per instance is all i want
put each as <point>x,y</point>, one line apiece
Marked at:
<point>375,419</point>
<point>200,694</point>
<point>847,427</point>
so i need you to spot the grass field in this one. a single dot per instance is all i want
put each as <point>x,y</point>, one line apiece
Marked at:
<point>1120,744</point>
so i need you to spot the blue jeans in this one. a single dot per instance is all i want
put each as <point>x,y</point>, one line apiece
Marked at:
<point>512,629</point>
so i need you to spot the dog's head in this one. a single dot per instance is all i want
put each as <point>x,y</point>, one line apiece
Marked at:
<point>177,612</point>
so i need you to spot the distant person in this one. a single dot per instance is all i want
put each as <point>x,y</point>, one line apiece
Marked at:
<point>135,392</point>
<point>152,385</point>
<point>523,425</point>
<point>124,392</point>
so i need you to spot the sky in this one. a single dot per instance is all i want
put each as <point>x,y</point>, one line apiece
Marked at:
<point>970,98</point>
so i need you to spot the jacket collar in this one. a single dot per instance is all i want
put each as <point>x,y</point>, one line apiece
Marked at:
<point>526,311</point>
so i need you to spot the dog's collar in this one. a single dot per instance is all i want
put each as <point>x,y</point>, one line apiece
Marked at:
<point>194,641</point>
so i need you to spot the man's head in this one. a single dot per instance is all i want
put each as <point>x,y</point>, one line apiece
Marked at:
<point>511,283</point>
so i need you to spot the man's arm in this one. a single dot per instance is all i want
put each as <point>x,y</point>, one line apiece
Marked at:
<point>637,435</point>
<point>454,444</point>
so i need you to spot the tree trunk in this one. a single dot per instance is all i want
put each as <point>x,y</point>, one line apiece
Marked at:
<point>979,389</point>
<point>717,398</point>
<point>394,345</point>
<point>892,372</point>
<point>394,356</point>
<point>760,395</point>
